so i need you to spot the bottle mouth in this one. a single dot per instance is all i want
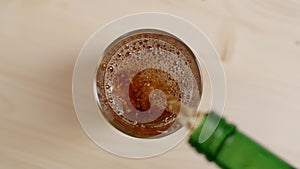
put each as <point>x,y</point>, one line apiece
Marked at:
<point>127,92</point>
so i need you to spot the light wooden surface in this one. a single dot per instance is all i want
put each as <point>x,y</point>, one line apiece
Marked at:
<point>259,42</point>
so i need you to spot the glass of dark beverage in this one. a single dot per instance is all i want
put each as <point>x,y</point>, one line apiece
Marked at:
<point>135,77</point>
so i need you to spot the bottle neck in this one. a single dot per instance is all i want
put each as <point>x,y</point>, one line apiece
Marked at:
<point>231,149</point>
<point>213,144</point>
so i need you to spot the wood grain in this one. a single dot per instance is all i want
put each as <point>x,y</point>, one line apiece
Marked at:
<point>259,42</point>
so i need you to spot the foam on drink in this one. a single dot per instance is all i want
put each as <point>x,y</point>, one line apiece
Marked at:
<point>140,75</point>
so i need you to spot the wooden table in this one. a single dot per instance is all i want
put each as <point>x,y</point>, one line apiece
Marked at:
<point>259,42</point>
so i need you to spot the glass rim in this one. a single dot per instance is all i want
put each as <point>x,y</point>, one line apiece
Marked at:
<point>92,121</point>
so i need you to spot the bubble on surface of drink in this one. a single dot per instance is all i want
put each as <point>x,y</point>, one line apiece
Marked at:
<point>147,75</point>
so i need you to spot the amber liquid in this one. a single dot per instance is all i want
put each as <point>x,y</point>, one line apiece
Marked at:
<point>143,79</point>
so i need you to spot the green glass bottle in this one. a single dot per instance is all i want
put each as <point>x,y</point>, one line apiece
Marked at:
<point>231,149</point>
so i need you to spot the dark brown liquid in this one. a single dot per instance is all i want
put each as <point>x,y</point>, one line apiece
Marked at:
<point>142,81</point>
